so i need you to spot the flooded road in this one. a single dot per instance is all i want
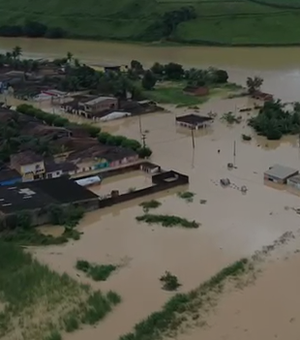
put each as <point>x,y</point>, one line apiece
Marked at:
<point>280,67</point>
<point>233,224</point>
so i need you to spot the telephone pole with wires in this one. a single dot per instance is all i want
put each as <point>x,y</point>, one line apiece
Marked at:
<point>144,140</point>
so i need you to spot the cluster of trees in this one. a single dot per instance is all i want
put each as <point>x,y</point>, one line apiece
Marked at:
<point>94,131</point>
<point>12,59</point>
<point>142,150</point>
<point>273,120</point>
<point>176,72</point>
<point>166,25</point>
<point>32,29</point>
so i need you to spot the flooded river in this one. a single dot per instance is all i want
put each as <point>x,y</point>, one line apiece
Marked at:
<point>280,67</point>
<point>233,224</point>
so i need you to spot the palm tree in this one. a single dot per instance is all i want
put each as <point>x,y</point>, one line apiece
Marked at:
<point>254,84</point>
<point>69,56</point>
<point>16,52</point>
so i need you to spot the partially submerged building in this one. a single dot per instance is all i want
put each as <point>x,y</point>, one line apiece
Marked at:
<point>36,197</point>
<point>193,121</point>
<point>279,174</point>
<point>294,182</point>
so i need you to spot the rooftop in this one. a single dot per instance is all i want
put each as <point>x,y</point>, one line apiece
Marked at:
<point>193,119</point>
<point>295,179</point>
<point>98,100</point>
<point>281,172</point>
<point>8,174</point>
<point>39,194</point>
<point>26,157</point>
<point>51,166</point>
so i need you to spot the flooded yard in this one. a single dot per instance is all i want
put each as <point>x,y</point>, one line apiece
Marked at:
<point>233,224</point>
<point>124,183</point>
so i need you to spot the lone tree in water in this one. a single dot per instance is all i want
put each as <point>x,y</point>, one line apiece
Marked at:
<point>149,80</point>
<point>69,56</point>
<point>254,84</point>
<point>16,52</point>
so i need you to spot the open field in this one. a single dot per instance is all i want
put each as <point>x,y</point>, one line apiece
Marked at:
<point>37,303</point>
<point>226,22</point>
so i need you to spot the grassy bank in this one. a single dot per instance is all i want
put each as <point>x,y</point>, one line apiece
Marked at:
<point>216,22</point>
<point>39,303</point>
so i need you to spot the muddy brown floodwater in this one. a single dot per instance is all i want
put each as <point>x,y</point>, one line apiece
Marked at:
<point>233,224</point>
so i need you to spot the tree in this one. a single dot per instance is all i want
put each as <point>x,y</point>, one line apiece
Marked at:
<point>149,80</point>
<point>221,76</point>
<point>174,71</point>
<point>16,52</point>
<point>254,84</point>
<point>34,29</point>
<point>144,152</point>
<point>137,66</point>
<point>69,56</point>
<point>158,69</point>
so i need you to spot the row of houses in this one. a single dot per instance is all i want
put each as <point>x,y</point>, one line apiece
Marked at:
<point>102,108</point>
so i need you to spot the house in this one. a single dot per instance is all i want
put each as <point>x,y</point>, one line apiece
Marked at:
<point>294,182</point>
<point>36,197</point>
<point>193,121</point>
<point>266,97</point>
<point>109,68</point>
<point>279,174</point>
<point>200,91</point>
<point>90,106</point>
<point>9,177</point>
<point>53,170</point>
<point>119,156</point>
<point>29,164</point>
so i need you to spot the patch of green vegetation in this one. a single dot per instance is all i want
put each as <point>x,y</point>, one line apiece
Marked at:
<point>174,95</point>
<point>186,195</point>
<point>168,221</point>
<point>153,204</point>
<point>210,22</point>
<point>95,271</point>
<point>274,121</point>
<point>246,137</point>
<point>113,297</point>
<point>31,291</point>
<point>169,320</point>
<point>231,118</point>
<point>203,201</point>
<point>170,281</point>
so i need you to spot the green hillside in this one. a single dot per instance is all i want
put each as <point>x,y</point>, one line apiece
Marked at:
<point>235,22</point>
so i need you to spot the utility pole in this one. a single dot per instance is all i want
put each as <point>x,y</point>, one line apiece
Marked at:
<point>193,138</point>
<point>140,124</point>
<point>234,152</point>
<point>144,140</point>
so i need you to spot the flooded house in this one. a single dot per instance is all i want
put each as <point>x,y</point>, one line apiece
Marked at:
<point>193,121</point>
<point>266,97</point>
<point>91,107</point>
<point>279,174</point>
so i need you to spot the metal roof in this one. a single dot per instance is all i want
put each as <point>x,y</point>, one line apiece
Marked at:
<point>280,171</point>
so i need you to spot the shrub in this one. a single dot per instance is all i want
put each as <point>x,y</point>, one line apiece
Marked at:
<point>170,282</point>
<point>113,297</point>
<point>246,137</point>
<point>167,221</point>
<point>144,152</point>
<point>186,195</point>
<point>96,272</point>
<point>150,205</point>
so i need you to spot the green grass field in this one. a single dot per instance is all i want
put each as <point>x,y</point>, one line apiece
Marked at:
<point>39,304</point>
<point>235,22</point>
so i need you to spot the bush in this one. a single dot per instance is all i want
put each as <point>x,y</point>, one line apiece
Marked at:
<point>186,195</point>
<point>246,137</point>
<point>68,216</point>
<point>167,221</point>
<point>170,282</point>
<point>150,205</point>
<point>144,152</point>
<point>113,297</point>
<point>96,272</point>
